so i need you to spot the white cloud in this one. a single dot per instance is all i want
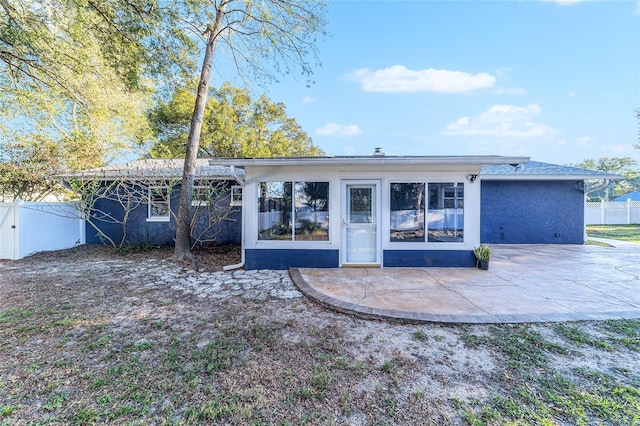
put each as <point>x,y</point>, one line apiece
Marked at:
<point>339,130</point>
<point>585,139</point>
<point>308,100</point>
<point>400,79</point>
<point>504,121</point>
<point>638,9</point>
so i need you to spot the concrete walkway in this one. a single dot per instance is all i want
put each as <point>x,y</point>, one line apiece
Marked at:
<point>525,283</point>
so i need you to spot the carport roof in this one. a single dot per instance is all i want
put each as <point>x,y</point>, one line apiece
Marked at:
<point>535,170</point>
<point>153,168</point>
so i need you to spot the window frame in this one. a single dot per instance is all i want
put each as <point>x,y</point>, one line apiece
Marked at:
<point>294,213</point>
<point>446,198</point>
<point>150,205</point>
<point>197,202</point>
<point>424,211</point>
<point>235,191</point>
<point>425,242</point>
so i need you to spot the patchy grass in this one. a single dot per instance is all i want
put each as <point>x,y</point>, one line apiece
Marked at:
<point>625,333</point>
<point>535,391</point>
<point>7,410</point>
<point>615,232</point>
<point>526,348</point>
<point>95,346</point>
<point>579,337</point>
<point>420,335</point>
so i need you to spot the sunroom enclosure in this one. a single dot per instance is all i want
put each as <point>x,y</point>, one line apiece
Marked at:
<point>361,211</point>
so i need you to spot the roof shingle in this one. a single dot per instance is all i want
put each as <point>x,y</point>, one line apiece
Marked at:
<point>536,169</point>
<point>151,168</point>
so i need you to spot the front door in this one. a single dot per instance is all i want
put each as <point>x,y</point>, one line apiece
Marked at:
<point>360,223</point>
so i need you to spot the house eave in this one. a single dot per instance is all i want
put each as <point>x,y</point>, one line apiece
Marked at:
<point>370,160</point>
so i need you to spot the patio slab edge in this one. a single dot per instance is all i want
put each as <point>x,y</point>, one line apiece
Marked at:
<point>373,313</point>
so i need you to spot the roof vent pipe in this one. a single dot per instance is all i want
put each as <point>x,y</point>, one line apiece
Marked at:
<point>378,152</point>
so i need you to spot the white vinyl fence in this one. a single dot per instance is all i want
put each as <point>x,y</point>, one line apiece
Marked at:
<point>612,213</point>
<point>27,228</point>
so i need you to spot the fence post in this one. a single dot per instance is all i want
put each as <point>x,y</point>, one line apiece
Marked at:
<point>628,211</point>
<point>602,221</point>
<point>82,222</point>
<point>17,227</point>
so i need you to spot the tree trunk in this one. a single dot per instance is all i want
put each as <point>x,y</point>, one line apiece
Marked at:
<point>182,249</point>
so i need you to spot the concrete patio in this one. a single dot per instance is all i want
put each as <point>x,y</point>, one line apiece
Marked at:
<point>525,283</point>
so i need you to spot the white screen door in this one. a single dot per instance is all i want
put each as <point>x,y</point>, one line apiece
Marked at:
<point>360,223</point>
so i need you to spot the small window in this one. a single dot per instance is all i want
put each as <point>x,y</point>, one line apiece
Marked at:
<point>159,208</point>
<point>236,195</point>
<point>202,195</point>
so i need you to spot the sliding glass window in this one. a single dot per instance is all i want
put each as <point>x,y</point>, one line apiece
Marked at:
<point>445,221</point>
<point>294,211</point>
<point>312,211</point>
<point>274,218</point>
<point>407,212</point>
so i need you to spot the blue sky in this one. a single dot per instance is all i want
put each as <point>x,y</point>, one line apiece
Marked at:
<point>554,80</point>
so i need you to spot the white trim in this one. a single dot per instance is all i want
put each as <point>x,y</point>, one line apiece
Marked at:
<point>159,219</point>
<point>462,160</point>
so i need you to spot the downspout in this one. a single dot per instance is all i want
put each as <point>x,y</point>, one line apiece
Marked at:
<point>234,174</point>
<point>236,177</point>
<point>241,264</point>
<point>584,209</point>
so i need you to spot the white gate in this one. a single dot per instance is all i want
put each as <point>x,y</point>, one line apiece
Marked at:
<point>7,231</point>
<point>27,228</point>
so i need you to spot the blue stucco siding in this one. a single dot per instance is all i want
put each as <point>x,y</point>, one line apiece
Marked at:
<point>532,212</point>
<point>138,230</point>
<point>290,258</point>
<point>307,258</point>
<point>108,216</point>
<point>429,258</point>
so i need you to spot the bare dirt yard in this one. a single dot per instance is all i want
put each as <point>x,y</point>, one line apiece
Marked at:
<point>89,336</point>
